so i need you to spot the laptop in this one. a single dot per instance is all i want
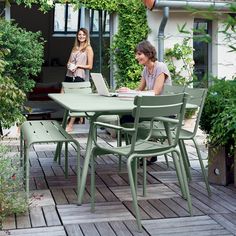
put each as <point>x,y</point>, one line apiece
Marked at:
<point>101,86</point>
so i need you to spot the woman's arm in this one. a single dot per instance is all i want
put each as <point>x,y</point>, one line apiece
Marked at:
<point>159,84</point>
<point>89,64</point>
<point>142,85</point>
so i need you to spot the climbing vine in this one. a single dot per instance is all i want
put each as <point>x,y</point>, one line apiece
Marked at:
<point>132,29</point>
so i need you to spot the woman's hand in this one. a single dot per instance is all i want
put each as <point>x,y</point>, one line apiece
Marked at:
<point>123,90</point>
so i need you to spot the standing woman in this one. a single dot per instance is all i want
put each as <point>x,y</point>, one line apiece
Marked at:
<point>81,59</point>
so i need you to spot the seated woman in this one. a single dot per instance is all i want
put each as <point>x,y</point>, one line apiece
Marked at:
<point>154,75</point>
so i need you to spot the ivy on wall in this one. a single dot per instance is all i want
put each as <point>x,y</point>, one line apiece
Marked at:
<point>132,29</point>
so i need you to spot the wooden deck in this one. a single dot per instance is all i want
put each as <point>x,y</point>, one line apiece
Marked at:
<point>53,210</point>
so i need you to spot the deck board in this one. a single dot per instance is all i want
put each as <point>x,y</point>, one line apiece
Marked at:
<point>163,212</point>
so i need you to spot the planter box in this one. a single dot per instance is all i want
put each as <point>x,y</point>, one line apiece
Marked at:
<point>221,168</point>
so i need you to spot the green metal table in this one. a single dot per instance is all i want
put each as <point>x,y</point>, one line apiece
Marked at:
<point>96,105</point>
<point>91,104</point>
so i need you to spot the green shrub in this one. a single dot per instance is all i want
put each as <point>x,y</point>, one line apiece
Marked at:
<point>25,56</point>
<point>12,196</point>
<point>219,96</point>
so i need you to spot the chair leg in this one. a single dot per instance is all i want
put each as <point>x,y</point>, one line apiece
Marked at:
<point>133,192</point>
<point>144,177</point>
<point>92,185</point>
<point>185,158</point>
<point>167,162</point>
<point>66,159</point>
<point>179,176</point>
<point>188,196</point>
<point>202,167</point>
<point>78,168</point>
<point>26,169</point>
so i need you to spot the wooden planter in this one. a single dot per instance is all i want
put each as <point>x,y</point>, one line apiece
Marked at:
<point>221,168</point>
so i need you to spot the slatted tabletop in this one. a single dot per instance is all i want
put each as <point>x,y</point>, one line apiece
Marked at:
<point>54,211</point>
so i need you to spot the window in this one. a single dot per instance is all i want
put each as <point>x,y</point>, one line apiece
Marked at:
<point>202,51</point>
<point>66,18</point>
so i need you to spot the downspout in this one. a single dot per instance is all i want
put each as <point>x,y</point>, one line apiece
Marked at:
<point>166,4</point>
<point>195,4</point>
<point>161,33</point>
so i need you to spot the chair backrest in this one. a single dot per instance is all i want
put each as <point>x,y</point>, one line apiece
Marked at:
<point>197,97</point>
<point>172,89</point>
<point>164,106</point>
<point>77,87</point>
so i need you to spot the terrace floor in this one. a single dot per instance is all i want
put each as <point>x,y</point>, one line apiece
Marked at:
<point>53,211</point>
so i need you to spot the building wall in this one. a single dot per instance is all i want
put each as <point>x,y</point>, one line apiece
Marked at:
<point>223,62</point>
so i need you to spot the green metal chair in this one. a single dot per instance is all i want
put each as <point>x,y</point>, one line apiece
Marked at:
<point>85,87</point>
<point>45,131</point>
<point>147,107</point>
<point>196,97</point>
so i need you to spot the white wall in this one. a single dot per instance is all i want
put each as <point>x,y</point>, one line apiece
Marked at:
<point>223,62</point>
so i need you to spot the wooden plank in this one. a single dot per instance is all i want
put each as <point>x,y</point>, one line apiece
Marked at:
<point>156,191</point>
<point>162,208</point>
<point>70,195</point>
<point>40,183</point>
<point>73,230</point>
<point>36,217</point>
<point>224,222</point>
<point>107,194</point>
<point>51,216</point>
<point>221,201</point>
<point>23,221</point>
<point>182,225</point>
<point>42,231</point>
<point>9,222</point>
<point>59,196</point>
<point>143,214</point>
<point>105,229</point>
<point>119,181</point>
<point>107,180</point>
<point>209,202</point>
<point>150,210</point>
<point>120,228</point>
<point>175,207</point>
<point>104,212</point>
<point>89,229</point>
<point>132,226</point>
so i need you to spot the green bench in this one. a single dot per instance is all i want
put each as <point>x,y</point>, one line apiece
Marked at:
<point>45,131</point>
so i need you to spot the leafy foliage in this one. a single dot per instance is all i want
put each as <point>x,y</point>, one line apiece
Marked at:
<point>12,196</point>
<point>219,96</point>
<point>11,97</point>
<point>182,75</point>
<point>25,55</point>
<point>132,29</point>
<point>218,118</point>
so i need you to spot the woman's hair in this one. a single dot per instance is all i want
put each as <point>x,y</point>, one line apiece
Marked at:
<point>77,42</point>
<point>147,49</point>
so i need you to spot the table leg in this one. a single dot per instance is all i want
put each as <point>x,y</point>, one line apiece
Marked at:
<point>59,145</point>
<point>86,160</point>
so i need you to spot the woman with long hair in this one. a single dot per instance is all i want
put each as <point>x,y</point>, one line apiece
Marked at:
<point>80,60</point>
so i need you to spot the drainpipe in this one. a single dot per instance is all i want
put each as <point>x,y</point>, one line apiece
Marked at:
<point>195,4</point>
<point>161,33</point>
<point>166,4</point>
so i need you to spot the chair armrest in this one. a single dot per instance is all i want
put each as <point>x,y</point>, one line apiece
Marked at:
<point>106,125</point>
<point>166,119</point>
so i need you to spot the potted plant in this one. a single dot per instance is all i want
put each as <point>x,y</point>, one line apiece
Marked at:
<point>218,120</point>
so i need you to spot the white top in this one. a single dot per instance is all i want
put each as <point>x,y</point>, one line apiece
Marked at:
<point>150,78</point>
